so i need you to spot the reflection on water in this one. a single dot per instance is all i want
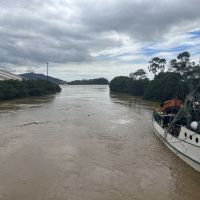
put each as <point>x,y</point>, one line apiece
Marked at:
<point>29,102</point>
<point>133,102</point>
<point>87,144</point>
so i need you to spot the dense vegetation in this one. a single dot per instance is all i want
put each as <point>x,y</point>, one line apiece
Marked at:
<point>97,81</point>
<point>173,80</point>
<point>12,89</point>
<point>125,84</point>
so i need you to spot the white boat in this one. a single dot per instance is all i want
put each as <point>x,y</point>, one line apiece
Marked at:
<point>179,129</point>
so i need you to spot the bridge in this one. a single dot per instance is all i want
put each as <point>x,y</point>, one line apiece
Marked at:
<point>5,75</point>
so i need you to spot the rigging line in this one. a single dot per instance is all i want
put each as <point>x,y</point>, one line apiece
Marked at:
<point>168,129</point>
<point>182,139</point>
<point>177,115</point>
<point>191,86</point>
<point>197,86</point>
<point>174,106</point>
<point>189,83</point>
<point>174,109</point>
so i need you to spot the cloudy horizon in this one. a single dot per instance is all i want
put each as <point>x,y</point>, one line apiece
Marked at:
<point>90,39</point>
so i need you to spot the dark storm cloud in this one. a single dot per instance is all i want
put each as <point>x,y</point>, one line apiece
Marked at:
<point>64,31</point>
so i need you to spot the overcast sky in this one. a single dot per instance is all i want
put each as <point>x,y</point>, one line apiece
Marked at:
<point>95,38</point>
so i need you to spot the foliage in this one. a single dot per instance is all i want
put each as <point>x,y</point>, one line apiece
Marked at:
<point>12,89</point>
<point>138,75</point>
<point>166,86</point>
<point>125,84</point>
<point>97,81</point>
<point>138,87</point>
<point>182,64</point>
<point>190,71</point>
<point>181,77</point>
<point>157,65</point>
<point>120,84</point>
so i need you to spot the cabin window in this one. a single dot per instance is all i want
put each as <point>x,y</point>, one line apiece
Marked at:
<point>185,134</point>
<point>197,140</point>
<point>190,137</point>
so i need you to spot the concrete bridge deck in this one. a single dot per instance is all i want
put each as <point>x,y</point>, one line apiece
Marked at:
<point>5,75</point>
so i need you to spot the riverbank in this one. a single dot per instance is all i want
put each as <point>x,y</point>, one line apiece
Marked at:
<point>13,89</point>
<point>164,86</point>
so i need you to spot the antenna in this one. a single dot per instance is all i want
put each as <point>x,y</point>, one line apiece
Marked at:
<point>47,71</point>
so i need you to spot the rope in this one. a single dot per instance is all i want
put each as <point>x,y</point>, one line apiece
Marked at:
<point>182,139</point>
<point>182,111</point>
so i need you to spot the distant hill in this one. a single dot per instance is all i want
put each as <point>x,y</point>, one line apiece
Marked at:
<point>96,81</point>
<point>34,76</point>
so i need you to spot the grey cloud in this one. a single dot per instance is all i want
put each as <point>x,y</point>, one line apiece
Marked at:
<point>63,31</point>
<point>142,20</point>
<point>28,37</point>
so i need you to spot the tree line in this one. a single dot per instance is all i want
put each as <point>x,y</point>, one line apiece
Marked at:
<point>173,79</point>
<point>96,81</point>
<point>12,89</point>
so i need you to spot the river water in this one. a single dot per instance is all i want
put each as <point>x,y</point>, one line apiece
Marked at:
<point>87,144</point>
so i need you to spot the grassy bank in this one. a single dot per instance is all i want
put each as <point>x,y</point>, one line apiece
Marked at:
<point>13,89</point>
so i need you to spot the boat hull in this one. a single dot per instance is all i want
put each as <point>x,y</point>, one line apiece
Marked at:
<point>185,147</point>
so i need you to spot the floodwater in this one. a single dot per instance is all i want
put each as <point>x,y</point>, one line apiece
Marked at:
<point>87,144</point>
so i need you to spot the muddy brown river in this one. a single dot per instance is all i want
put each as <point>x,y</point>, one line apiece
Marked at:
<point>87,144</point>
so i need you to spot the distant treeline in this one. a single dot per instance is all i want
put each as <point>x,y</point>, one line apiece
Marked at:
<point>96,81</point>
<point>34,76</point>
<point>12,89</point>
<point>173,80</point>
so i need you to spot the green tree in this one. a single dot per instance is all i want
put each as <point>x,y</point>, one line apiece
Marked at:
<point>96,81</point>
<point>157,65</point>
<point>182,64</point>
<point>120,84</point>
<point>12,89</point>
<point>138,87</point>
<point>138,75</point>
<point>182,77</point>
<point>165,86</point>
